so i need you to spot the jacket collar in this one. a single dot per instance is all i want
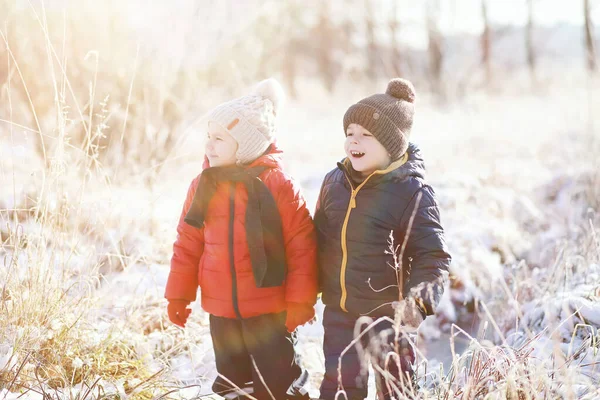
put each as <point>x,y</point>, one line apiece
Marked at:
<point>410,164</point>
<point>270,159</point>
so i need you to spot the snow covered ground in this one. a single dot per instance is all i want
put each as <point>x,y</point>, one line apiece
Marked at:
<point>515,177</point>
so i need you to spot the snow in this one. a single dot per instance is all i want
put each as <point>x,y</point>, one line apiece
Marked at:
<point>512,200</point>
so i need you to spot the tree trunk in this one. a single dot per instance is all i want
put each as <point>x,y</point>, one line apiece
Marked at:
<point>394,27</point>
<point>486,42</point>
<point>435,51</point>
<point>289,68</point>
<point>589,38</point>
<point>372,55</point>
<point>531,56</point>
<point>324,33</point>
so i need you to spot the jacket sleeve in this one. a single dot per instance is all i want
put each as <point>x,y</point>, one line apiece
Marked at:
<point>426,250</point>
<point>319,213</point>
<point>320,224</point>
<point>300,245</point>
<point>188,247</point>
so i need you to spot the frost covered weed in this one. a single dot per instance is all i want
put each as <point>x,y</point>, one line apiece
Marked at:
<point>539,336</point>
<point>90,120</point>
<point>58,249</point>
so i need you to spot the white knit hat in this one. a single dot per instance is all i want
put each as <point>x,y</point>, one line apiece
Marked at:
<point>251,119</point>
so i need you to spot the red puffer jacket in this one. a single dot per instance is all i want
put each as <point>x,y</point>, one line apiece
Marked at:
<point>201,257</point>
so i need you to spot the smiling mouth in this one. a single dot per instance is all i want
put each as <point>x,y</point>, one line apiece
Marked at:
<point>356,154</point>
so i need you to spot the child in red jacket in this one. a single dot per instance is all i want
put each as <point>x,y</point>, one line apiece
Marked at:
<point>246,238</point>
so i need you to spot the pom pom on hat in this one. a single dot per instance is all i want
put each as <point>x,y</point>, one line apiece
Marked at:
<point>272,90</point>
<point>401,89</point>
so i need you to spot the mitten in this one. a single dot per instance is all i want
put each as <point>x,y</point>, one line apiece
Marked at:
<point>298,314</point>
<point>178,313</point>
<point>409,313</point>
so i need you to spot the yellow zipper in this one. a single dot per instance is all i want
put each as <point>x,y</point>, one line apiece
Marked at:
<point>351,205</point>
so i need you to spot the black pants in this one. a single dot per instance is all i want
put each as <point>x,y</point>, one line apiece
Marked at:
<point>263,339</point>
<point>375,346</point>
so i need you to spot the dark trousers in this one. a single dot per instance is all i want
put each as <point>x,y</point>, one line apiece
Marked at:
<point>263,339</point>
<point>375,346</point>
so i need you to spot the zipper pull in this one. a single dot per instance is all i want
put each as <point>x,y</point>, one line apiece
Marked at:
<point>353,200</point>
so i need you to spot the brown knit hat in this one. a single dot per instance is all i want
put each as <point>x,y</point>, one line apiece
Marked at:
<point>388,116</point>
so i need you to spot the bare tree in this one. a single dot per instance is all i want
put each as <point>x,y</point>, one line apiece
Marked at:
<point>324,33</point>
<point>486,42</point>
<point>289,69</point>
<point>372,51</point>
<point>589,37</point>
<point>394,28</point>
<point>435,43</point>
<point>263,29</point>
<point>531,56</point>
<point>293,50</point>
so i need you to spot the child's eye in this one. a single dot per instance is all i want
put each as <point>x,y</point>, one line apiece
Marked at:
<point>349,134</point>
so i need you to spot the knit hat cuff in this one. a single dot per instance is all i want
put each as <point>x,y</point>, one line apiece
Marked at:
<point>385,131</point>
<point>251,142</point>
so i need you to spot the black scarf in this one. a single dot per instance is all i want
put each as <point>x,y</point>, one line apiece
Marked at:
<point>263,222</point>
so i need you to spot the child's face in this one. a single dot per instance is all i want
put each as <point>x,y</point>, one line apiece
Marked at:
<point>220,146</point>
<point>365,152</point>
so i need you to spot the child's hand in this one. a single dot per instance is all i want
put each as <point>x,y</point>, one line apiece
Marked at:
<point>178,313</point>
<point>409,314</point>
<point>298,314</point>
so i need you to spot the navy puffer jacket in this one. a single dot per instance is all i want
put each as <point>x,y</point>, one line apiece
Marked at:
<point>354,225</point>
